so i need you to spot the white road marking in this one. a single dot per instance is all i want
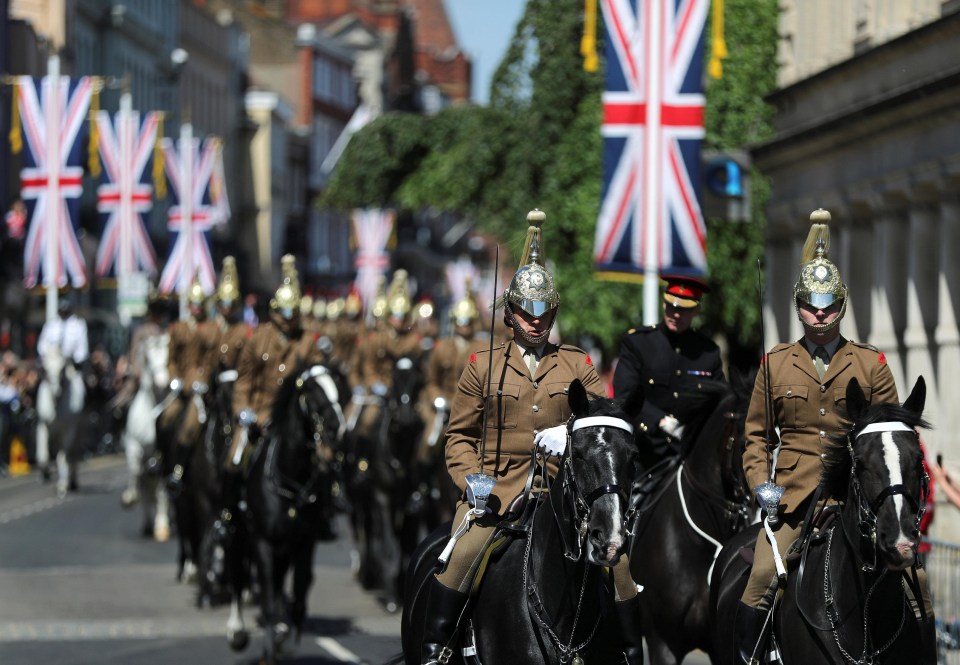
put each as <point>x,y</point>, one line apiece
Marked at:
<point>337,650</point>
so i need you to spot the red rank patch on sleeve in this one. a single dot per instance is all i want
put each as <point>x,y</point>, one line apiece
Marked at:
<point>473,357</point>
<point>882,359</point>
<point>589,360</point>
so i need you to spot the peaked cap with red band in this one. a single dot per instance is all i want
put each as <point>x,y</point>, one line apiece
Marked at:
<point>684,292</point>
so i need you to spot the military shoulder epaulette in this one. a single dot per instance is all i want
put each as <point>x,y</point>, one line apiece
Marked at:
<point>779,347</point>
<point>864,345</point>
<point>642,329</point>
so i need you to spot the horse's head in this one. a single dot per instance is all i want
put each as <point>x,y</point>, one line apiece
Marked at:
<point>880,468</point>
<point>599,468</point>
<point>406,383</point>
<point>308,410</point>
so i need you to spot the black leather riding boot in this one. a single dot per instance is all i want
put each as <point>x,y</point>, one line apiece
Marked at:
<point>224,526</point>
<point>631,630</point>
<point>443,610</point>
<point>747,633</point>
<point>928,641</point>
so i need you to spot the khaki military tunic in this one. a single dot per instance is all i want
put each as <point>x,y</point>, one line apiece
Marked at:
<point>807,411</point>
<point>191,342</point>
<point>226,353</point>
<point>529,404</point>
<point>267,360</point>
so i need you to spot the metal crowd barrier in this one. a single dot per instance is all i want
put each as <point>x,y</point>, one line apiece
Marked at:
<point>943,572</point>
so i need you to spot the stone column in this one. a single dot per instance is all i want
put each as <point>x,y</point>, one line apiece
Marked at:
<point>921,307</point>
<point>888,296</point>
<point>947,336</point>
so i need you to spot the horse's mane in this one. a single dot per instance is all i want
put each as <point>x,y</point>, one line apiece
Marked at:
<point>837,460</point>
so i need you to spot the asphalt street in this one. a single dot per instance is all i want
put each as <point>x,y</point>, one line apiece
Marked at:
<point>80,585</point>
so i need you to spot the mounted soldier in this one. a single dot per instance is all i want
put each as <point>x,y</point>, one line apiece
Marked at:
<point>801,411</point>
<point>234,333</point>
<point>531,378</point>
<point>268,359</point>
<point>191,341</point>
<point>666,361</point>
<point>393,338</point>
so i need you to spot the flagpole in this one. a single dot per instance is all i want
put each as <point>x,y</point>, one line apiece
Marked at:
<point>53,114</point>
<point>186,212</point>
<point>125,127</point>
<point>653,150</point>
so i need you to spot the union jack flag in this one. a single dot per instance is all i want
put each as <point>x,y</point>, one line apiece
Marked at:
<point>652,125</point>
<point>372,229</point>
<point>125,148</point>
<point>52,114</point>
<point>191,253</point>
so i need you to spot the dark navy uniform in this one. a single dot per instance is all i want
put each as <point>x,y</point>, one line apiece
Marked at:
<point>664,365</point>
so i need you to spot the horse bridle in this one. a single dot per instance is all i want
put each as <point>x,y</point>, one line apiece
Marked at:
<point>574,497</point>
<point>867,510</point>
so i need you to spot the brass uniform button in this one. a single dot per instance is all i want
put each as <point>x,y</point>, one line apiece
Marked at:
<point>535,408</point>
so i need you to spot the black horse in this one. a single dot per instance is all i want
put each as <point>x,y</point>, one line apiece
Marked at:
<point>383,481</point>
<point>547,598</point>
<point>207,483</point>
<point>846,600</point>
<point>284,496</point>
<point>687,507</point>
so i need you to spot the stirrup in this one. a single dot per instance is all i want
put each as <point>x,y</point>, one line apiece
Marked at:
<point>442,658</point>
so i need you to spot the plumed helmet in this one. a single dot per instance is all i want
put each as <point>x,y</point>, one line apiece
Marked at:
<point>286,300</point>
<point>335,308</point>
<point>353,305</point>
<point>465,311</point>
<point>398,296</point>
<point>379,307</point>
<point>319,309</point>
<point>195,294</point>
<point>228,291</point>
<point>819,284</point>
<point>306,305</point>
<point>532,288</point>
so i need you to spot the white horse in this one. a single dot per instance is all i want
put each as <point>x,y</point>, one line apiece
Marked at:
<point>60,398</point>
<point>140,439</point>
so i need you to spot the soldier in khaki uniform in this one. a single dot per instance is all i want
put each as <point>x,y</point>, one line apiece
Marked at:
<point>533,377</point>
<point>379,351</point>
<point>233,334</point>
<point>191,342</point>
<point>808,382</point>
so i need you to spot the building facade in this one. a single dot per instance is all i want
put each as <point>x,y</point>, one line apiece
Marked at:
<point>868,107</point>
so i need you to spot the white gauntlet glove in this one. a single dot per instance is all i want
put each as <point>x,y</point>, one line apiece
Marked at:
<point>671,427</point>
<point>552,440</point>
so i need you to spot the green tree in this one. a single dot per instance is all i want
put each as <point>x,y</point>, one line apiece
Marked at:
<point>538,145</point>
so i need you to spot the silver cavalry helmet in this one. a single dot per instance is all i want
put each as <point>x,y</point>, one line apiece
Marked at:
<point>286,300</point>
<point>819,284</point>
<point>532,288</point>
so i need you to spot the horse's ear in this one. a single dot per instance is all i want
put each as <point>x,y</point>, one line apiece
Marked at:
<point>918,397</point>
<point>579,403</point>
<point>856,400</point>
<point>633,404</point>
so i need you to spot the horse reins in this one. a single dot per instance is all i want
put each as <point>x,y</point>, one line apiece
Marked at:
<point>580,503</point>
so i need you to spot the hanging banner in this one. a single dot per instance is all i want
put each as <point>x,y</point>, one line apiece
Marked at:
<point>650,219</point>
<point>372,229</point>
<point>126,146</point>
<point>52,111</point>
<point>191,169</point>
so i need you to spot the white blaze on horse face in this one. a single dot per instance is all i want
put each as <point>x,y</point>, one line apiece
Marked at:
<point>615,541</point>
<point>891,456</point>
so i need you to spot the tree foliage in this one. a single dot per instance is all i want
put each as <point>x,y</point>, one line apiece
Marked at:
<point>538,145</point>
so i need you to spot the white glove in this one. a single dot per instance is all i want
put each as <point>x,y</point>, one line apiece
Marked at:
<point>552,440</point>
<point>671,427</point>
<point>379,389</point>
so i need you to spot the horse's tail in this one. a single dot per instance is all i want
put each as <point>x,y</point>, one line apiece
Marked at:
<point>397,659</point>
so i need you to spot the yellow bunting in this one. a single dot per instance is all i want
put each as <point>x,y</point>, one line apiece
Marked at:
<point>159,181</point>
<point>718,45</point>
<point>93,146</point>
<point>16,138</point>
<point>588,43</point>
